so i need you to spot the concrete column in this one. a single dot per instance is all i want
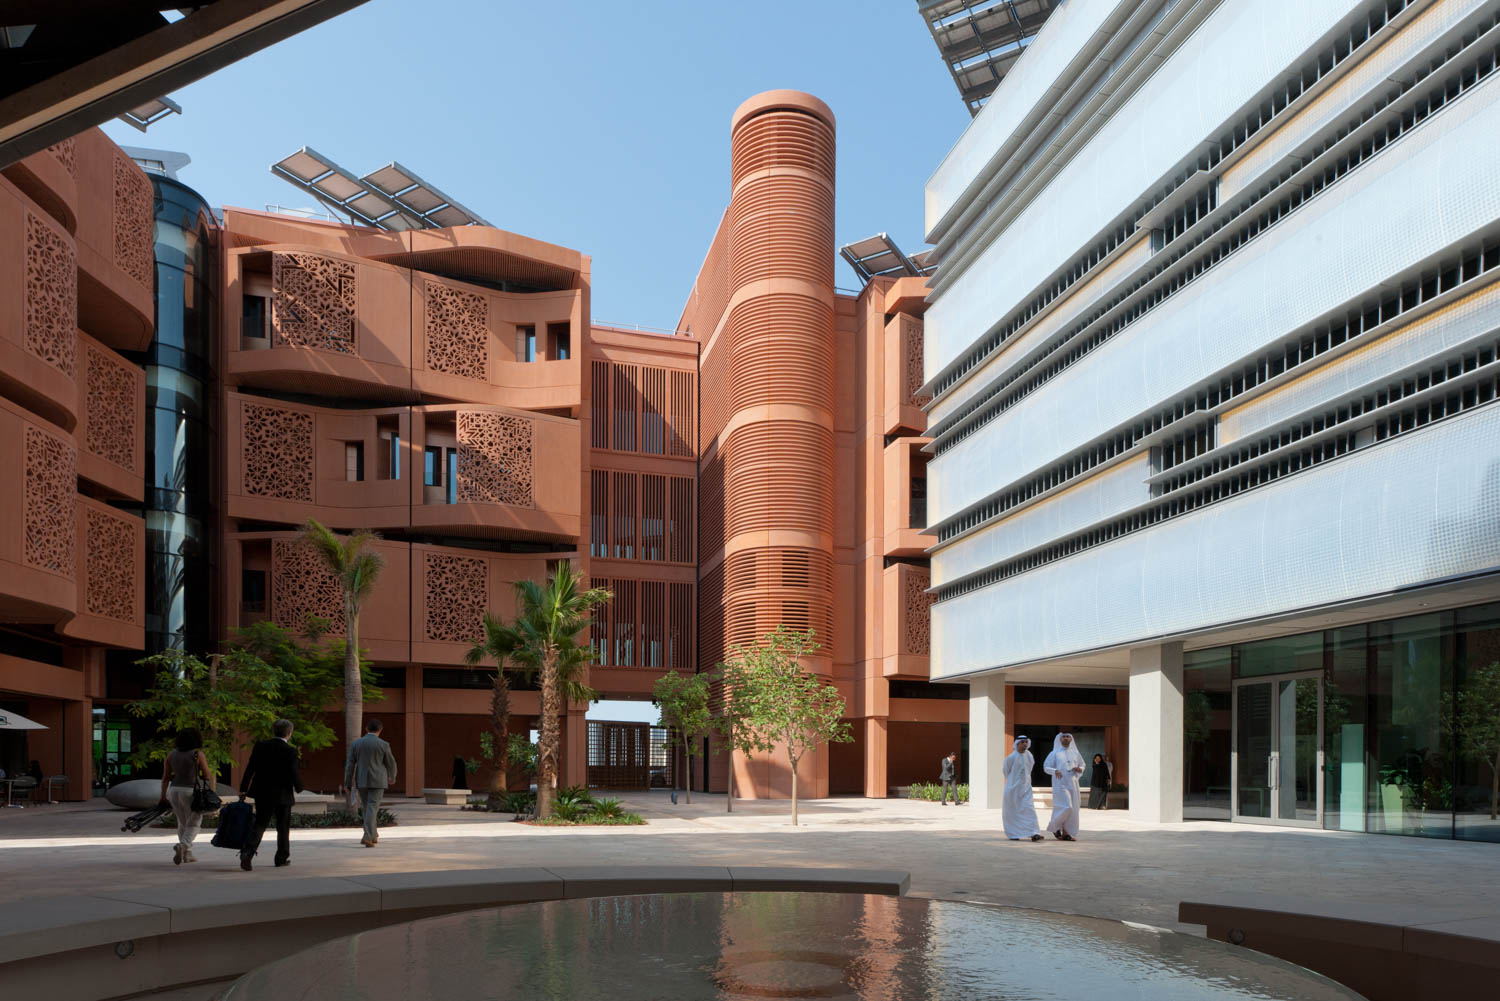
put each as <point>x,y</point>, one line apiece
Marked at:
<point>1156,734</point>
<point>78,752</point>
<point>875,757</point>
<point>987,748</point>
<point>414,763</point>
<point>575,749</point>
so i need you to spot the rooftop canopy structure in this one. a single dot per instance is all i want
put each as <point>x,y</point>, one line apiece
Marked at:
<point>878,257</point>
<point>981,39</point>
<point>67,65</point>
<point>392,198</point>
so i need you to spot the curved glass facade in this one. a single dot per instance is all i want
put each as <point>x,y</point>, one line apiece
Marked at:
<point>181,426</point>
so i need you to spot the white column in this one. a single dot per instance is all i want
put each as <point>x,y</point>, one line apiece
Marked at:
<point>1156,734</point>
<point>987,748</point>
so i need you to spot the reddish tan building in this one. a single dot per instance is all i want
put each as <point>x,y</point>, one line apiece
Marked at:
<point>810,459</point>
<point>76,287</point>
<point>447,389</point>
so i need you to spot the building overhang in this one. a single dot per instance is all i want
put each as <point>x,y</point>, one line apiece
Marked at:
<point>83,62</point>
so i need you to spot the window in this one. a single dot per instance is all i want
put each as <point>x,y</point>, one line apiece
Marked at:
<point>252,590</point>
<point>432,473</point>
<point>918,502</point>
<point>253,316</point>
<point>526,343</point>
<point>354,461</point>
<point>561,337</point>
<point>393,467</point>
<point>452,475</point>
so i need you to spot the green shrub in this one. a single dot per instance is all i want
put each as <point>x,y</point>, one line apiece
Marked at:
<point>301,821</point>
<point>608,808</point>
<point>933,791</point>
<point>571,810</point>
<point>579,795</point>
<point>592,820</point>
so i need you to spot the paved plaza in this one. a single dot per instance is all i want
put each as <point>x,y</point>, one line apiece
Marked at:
<point>1118,868</point>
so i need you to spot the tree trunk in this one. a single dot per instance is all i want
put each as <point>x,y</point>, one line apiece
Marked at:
<point>687,758</point>
<point>499,727</point>
<point>1494,784</point>
<point>551,708</point>
<point>794,789</point>
<point>729,739</point>
<point>354,695</point>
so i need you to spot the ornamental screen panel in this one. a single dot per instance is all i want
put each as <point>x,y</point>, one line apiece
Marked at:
<point>313,302</point>
<point>51,485</point>
<point>457,332</point>
<point>494,459</point>
<point>51,295</point>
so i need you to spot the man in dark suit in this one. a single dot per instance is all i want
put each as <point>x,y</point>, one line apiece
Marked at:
<point>271,779</point>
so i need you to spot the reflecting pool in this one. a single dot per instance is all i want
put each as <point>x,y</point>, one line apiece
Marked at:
<point>775,945</point>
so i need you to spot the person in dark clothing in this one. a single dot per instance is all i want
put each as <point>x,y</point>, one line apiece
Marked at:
<point>460,774</point>
<point>272,780</point>
<point>949,777</point>
<point>35,771</point>
<point>1099,784</point>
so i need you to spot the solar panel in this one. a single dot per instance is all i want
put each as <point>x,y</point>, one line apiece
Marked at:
<point>393,197</point>
<point>146,115</point>
<point>981,40</point>
<point>878,257</point>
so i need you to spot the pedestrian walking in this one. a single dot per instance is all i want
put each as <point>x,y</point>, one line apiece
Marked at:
<point>1018,811</point>
<point>182,768</point>
<point>1065,765</point>
<point>1099,784</point>
<point>271,779</point>
<point>370,767</point>
<point>947,776</point>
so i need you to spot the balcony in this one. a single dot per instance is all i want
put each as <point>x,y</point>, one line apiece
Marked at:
<point>110,433</point>
<point>47,178</point>
<point>38,309</point>
<point>907,617</point>
<point>427,605</point>
<point>905,509</point>
<point>311,321</point>
<point>482,473</point>
<point>116,245</point>
<point>902,400</point>
<point>110,571</point>
<point>38,529</point>
<point>459,470</point>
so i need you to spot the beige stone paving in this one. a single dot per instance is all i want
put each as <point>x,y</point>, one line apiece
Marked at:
<point>1119,869</point>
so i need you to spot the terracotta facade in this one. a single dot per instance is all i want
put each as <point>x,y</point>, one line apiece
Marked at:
<point>759,465</point>
<point>76,284</point>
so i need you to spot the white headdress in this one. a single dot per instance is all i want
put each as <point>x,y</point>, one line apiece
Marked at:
<point>1071,751</point>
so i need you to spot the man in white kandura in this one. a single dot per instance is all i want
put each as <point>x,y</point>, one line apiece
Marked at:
<point>1019,812</point>
<point>1064,764</point>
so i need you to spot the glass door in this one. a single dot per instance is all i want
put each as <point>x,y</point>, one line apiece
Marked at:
<point>1278,750</point>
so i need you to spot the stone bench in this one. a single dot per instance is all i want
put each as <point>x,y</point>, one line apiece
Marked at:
<point>115,942</point>
<point>447,797</point>
<point>1390,952</point>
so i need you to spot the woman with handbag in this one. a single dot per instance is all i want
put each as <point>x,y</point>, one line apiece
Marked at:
<point>188,786</point>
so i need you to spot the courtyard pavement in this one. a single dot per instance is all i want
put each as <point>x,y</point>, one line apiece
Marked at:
<point>1118,869</point>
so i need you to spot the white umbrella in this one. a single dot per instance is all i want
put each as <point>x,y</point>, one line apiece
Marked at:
<point>15,721</point>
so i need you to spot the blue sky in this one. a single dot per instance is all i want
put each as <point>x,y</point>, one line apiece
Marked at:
<point>602,126</point>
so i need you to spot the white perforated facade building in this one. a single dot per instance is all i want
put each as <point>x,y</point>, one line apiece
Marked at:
<point>1212,345</point>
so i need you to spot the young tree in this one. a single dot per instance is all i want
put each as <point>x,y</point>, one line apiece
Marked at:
<point>356,567</point>
<point>683,701</point>
<point>235,692</point>
<point>1476,715</point>
<point>792,708</point>
<point>265,674</point>
<point>551,617</point>
<point>499,645</point>
<point>735,710</point>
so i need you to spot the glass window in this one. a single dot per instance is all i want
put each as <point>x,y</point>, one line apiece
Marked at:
<point>253,590</point>
<point>562,339</point>
<point>1282,655</point>
<point>452,475</point>
<point>432,472</point>
<point>1476,724</point>
<point>1346,735</point>
<point>253,316</point>
<point>1410,708</point>
<point>1206,706</point>
<point>528,344</point>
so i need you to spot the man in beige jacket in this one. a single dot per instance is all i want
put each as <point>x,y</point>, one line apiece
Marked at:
<point>370,768</point>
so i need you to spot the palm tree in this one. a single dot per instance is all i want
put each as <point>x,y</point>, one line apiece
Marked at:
<point>551,617</point>
<point>499,644</point>
<point>356,568</point>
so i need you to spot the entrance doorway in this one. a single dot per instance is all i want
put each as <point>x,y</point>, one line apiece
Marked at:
<point>1278,750</point>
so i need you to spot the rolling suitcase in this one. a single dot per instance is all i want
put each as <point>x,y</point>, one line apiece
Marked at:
<point>235,821</point>
<point>135,822</point>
